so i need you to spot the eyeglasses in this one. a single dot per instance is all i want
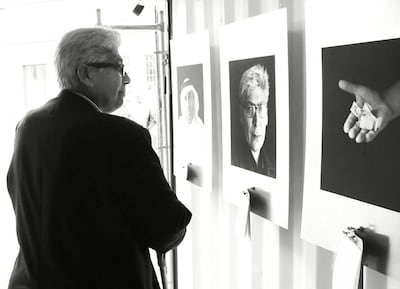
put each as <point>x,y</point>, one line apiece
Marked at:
<point>250,110</point>
<point>118,66</point>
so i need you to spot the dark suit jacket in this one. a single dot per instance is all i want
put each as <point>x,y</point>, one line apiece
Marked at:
<point>241,157</point>
<point>90,198</point>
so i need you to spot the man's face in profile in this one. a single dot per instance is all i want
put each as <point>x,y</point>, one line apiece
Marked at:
<point>254,118</point>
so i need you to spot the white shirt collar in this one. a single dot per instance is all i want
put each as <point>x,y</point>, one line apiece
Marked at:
<point>88,100</point>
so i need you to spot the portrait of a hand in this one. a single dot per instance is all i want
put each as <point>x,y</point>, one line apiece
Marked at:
<point>379,109</point>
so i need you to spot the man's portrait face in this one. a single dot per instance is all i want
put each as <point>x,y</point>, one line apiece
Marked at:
<point>254,117</point>
<point>252,104</point>
<point>188,103</point>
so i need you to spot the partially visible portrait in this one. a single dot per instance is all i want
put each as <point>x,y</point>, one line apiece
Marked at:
<point>190,126</point>
<point>253,119</point>
<point>351,175</point>
<point>363,171</point>
<point>191,109</point>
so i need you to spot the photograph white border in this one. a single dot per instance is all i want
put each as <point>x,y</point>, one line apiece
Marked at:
<point>259,36</point>
<point>325,214</point>
<point>192,49</point>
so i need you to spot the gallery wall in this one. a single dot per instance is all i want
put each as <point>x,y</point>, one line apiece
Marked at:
<point>214,255</point>
<point>215,252</point>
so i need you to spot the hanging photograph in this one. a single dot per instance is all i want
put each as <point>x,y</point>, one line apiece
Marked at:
<point>253,124</point>
<point>366,171</point>
<point>191,109</point>
<point>255,114</point>
<point>352,155</point>
<point>190,125</point>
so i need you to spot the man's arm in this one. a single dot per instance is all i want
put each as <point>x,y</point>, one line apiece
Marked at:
<point>149,205</point>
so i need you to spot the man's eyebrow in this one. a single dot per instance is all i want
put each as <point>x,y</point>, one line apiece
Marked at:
<point>255,104</point>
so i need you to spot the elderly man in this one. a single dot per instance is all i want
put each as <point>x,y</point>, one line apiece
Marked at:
<point>88,191</point>
<point>250,151</point>
<point>190,125</point>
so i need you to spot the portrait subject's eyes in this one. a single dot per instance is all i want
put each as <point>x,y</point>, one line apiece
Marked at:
<point>250,110</point>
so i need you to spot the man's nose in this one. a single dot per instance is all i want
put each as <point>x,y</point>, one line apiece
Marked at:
<point>126,79</point>
<point>256,118</point>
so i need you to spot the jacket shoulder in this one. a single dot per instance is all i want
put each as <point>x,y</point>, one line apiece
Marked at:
<point>120,127</point>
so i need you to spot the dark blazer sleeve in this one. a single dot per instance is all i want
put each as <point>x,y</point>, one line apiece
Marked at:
<point>147,202</point>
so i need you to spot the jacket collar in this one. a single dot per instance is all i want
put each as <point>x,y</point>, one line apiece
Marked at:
<point>87,99</point>
<point>74,102</point>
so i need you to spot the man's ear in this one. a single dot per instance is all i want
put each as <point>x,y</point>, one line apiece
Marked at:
<point>84,75</point>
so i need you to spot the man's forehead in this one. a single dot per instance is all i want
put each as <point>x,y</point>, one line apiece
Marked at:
<point>257,96</point>
<point>188,89</point>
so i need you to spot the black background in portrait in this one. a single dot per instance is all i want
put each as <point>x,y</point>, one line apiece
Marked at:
<point>195,74</point>
<point>368,172</point>
<point>236,69</point>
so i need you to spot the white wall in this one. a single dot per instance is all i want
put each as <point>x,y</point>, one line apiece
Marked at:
<point>276,258</point>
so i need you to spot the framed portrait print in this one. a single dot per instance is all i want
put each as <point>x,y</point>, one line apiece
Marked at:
<point>192,108</point>
<point>349,183</point>
<point>255,112</point>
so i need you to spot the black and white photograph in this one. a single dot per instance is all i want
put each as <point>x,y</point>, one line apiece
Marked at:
<point>352,129</point>
<point>253,124</point>
<point>255,113</point>
<point>366,171</point>
<point>190,126</point>
<point>191,104</point>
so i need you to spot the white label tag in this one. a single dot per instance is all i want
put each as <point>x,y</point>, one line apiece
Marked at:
<point>243,220</point>
<point>346,270</point>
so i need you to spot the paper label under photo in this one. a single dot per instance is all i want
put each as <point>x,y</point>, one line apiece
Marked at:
<point>347,267</point>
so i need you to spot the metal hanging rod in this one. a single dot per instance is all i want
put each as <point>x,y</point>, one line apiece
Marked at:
<point>139,27</point>
<point>159,27</point>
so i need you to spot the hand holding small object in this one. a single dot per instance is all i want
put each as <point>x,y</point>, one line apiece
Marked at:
<point>364,115</point>
<point>369,115</point>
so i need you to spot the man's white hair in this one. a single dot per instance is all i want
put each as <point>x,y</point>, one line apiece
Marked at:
<point>255,76</point>
<point>80,46</point>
